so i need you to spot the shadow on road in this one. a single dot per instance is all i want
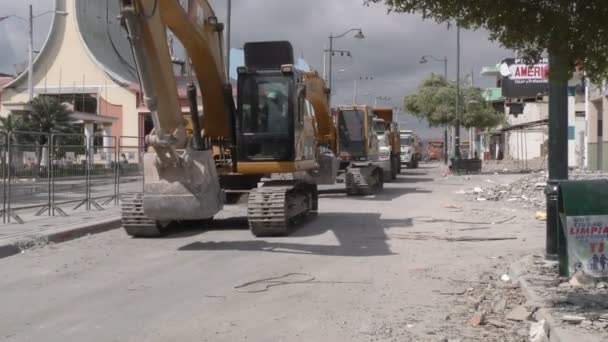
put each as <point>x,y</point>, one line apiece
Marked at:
<point>412,179</point>
<point>387,195</point>
<point>178,230</point>
<point>358,235</point>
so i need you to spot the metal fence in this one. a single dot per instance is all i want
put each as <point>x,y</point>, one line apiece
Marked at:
<point>58,174</point>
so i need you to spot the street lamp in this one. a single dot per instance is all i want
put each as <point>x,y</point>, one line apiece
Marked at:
<point>30,21</point>
<point>424,60</point>
<point>361,78</point>
<point>359,35</point>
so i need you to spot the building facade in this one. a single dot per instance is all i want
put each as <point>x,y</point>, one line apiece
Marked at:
<point>525,102</point>
<point>597,153</point>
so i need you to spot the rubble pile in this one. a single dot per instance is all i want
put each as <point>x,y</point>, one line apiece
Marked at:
<point>578,303</point>
<point>528,190</point>
<point>493,309</point>
<point>511,165</point>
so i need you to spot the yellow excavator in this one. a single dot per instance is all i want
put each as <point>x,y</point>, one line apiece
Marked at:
<point>351,149</point>
<point>359,152</point>
<point>317,96</point>
<point>263,149</point>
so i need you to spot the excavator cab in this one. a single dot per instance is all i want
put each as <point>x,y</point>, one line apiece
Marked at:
<point>274,131</point>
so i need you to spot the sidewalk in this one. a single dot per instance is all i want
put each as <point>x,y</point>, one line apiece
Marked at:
<point>14,238</point>
<point>571,313</point>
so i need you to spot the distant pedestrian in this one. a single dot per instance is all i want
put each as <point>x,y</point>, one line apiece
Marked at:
<point>123,164</point>
<point>603,262</point>
<point>594,262</point>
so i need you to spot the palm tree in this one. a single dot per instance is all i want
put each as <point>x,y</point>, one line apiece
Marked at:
<point>11,123</point>
<point>47,116</point>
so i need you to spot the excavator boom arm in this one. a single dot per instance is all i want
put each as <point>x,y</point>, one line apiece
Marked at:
<point>198,30</point>
<point>317,95</point>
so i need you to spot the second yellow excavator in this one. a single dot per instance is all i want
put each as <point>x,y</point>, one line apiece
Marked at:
<point>264,149</point>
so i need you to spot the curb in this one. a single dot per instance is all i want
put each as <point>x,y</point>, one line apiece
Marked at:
<point>556,332</point>
<point>58,235</point>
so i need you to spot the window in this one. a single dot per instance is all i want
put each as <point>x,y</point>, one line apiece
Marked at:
<point>352,132</point>
<point>265,118</point>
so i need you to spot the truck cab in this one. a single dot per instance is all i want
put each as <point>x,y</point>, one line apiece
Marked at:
<point>384,149</point>
<point>410,149</point>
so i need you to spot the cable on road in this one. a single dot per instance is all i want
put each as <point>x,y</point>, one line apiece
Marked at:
<point>279,281</point>
<point>274,281</point>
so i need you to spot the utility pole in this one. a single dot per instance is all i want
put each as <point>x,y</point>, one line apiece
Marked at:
<point>355,92</point>
<point>325,63</point>
<point>359,35</point>
<point>228,22</point>
<point>30,73</point>
<point>558,146</point>
<point>586,139</point>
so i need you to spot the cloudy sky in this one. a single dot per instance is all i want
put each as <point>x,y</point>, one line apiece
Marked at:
<point>390,53</point>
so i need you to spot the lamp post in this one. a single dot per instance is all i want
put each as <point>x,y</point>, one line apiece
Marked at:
<point>30,22</point>
<point>457,123</point>
<point>359,35</point>
<point>424,60</point>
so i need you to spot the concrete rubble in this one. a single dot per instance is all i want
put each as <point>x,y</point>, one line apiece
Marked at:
<point>527,191</point>
<point>578,305</point>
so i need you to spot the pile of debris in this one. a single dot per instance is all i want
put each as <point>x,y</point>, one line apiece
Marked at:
<point>528,190</point>
<point>578,304</point>
<point>492,309</point>
<point>514,165</point>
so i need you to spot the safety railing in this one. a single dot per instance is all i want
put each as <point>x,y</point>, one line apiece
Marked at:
<point>59,174</point>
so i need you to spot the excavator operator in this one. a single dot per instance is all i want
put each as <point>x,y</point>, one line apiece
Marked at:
<point>275,110</point>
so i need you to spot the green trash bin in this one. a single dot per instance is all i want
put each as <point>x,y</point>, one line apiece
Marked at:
<point>583,228</point>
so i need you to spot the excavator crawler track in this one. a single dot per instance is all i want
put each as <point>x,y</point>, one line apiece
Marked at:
<point>273,209</point>
<point>134,220</point>
<point>357,183</point>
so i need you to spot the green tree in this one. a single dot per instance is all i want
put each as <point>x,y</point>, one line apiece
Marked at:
<point>11,123</point>
<point>47,116</point>
<point>572,31</point>
<point>435,101</point>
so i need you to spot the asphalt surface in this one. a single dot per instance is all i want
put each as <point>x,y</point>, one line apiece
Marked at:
<point>368,269</point>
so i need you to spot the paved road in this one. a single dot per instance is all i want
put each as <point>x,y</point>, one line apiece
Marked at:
<point>379,265</point>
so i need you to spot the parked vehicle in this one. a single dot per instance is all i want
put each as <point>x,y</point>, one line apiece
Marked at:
<point>411,149</point>
<point>436,150</point>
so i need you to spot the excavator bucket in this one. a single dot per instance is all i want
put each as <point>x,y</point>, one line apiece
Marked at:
<point>328,168</point>
<point>189,191</point>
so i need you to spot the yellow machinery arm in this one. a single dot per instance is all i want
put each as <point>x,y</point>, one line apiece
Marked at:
<point>317,94</point>
<point>199,31</point>
<point>180,176</point>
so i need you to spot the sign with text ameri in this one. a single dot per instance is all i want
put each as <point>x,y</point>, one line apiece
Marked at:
<point>521,80</point>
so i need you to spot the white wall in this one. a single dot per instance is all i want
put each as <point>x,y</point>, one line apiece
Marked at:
<point>526,144</point>
<point>533,138</point>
